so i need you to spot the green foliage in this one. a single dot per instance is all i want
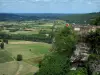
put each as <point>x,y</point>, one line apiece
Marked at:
<point>33,37</point>
<point>54,64</point>
<point>13,29</point>
<point>79,18</point>
<point>95,21</point>
<point>5,41</point>
<point>19,57</point>
<point>65,41</point>
<point>73,18</point>
<point>93,39</point>
<point>58,62</point>
<point>2,45</point>
<point>79,71</point>
<point>44,32</point>
<point>98,73</point>
<point>94,57</point>
<point>4,35</point>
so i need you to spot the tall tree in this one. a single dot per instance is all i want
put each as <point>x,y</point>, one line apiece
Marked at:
<point>58,62</point>
<point>65,40</point>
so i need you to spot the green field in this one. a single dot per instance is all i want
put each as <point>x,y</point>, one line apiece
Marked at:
<point>17,68</point>
<point>32,52</point>
<point>8,68</point>
<point>5,56</point>
<point>23,47</point>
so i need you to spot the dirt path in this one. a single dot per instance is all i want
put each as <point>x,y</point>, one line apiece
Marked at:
<point>19,69</point>
<point>22,42</point>
<point>25,68</point>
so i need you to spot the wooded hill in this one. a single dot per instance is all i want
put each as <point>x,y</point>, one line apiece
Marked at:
<point>70,18</point>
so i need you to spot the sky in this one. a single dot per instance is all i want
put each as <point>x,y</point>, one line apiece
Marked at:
<point>49,6</point>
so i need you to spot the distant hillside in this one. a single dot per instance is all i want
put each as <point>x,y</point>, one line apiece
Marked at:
<point>70,18</point>
<point>15,17</point>
<point>80,18</point>
<point>30,16</point>
<point>95,21</point>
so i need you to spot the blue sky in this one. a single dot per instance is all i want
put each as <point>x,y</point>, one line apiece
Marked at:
<point>49,6</point>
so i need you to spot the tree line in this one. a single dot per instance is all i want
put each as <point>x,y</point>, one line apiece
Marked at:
<point>33,37</point>
<point>95,21</point>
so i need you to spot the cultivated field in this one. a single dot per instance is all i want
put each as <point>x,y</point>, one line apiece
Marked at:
<point>27,48</point>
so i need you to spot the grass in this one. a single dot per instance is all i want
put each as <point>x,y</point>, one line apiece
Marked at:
<point>30,58</point>
<point>24,49</point>
<point>30,73</point>
<point>34,61</point>
<point>12,68</point>
<point>5,57</point>
<point>8,68</point>
<point>30,51</point>
<point>27,68</point>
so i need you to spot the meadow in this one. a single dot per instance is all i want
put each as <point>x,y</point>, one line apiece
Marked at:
<point>27,48</point>
<point>32,52</point>
<point>5,56</point>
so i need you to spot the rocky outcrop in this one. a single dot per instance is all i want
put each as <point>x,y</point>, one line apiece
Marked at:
<point>80,55</point>
<point>94,67</point>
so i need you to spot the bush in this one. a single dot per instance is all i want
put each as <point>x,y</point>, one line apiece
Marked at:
<point>5,40</point>
<point>79,71</point>
<point>19,57</point>
<point>2,45</point>
<point>54,64</point>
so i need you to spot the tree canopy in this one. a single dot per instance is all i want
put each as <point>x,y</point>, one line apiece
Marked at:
<point>95,21</point>
<point>65,40</point>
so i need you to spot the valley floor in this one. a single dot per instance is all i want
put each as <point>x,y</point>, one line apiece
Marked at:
<point>32,52</point>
